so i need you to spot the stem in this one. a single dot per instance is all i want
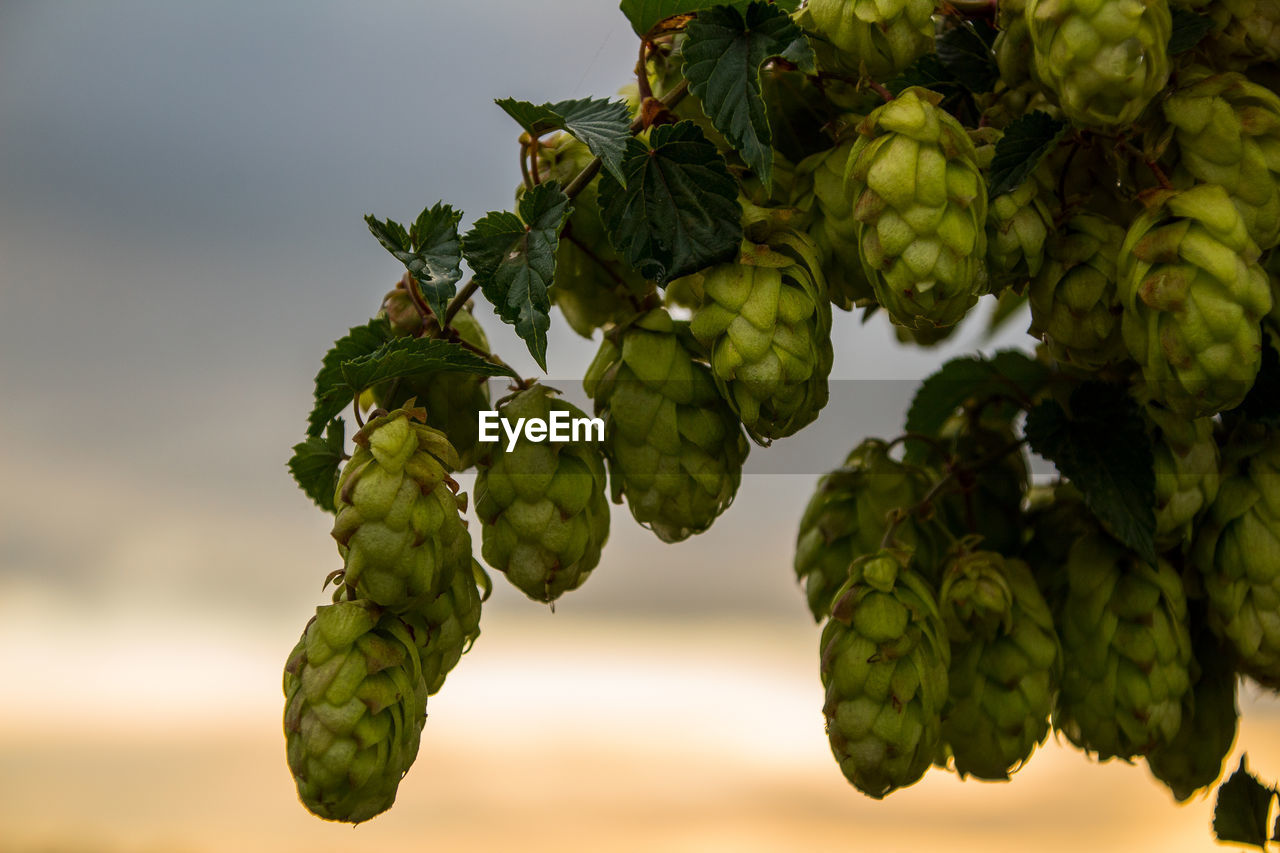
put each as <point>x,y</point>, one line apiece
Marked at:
<point>524,166</point>
<point>455,305</point>
<point>355,407</point>
<point>642,72</point>
<point>566,234</point>
<point>487,356</point>
<point>415,293</point>
<point>880,90</point>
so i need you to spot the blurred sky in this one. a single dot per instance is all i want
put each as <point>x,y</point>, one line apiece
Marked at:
<point>181,193</point>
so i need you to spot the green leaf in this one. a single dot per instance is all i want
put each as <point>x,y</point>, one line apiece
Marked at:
<point>429,250</point>
<point>513,256</point>
<point>1008,373</point>
<point>1188,29</point>
<point>329,403</point>
<point>315,463</point>
<point>927,72</point>
<point>1025,143</point>
<point>1262,403</point>
<point>604,126</point>
<point>679,212</point>
<point>965,51</point>
<point>416,357</point>
<point>645,15</point>
<point>1104,450</point>
<point>723,53</point>
<point>1240,815</point>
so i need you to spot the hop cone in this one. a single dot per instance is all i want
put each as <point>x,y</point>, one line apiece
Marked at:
<point>355,704</point>
<point>1248,32</point>
<point>452,399</point>
<point>1237,552</point>
<point>1227,132</point>
<point>1186,473</point>
<point>1013,43</point>
<point>921,204</point>
<point>542,505</point>
<point>592,282</point>
<point>1018,222</point>
<point>1105,59</point>
<point>446,628</point>
<point>833,227</point>
<point>1126,648</point>
<point>398,525</point>
<point>988,503</point>
<point>766,321</point>
<point>1193,759</point>
<point>848,515</point>
<point>1005,663</point>
<point>878,38</point>
<point>884,666</point>
<point>675,448</point>
<point>1193,296</point>
<point>1074,305</point>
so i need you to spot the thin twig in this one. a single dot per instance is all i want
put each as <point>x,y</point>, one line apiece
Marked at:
<point>355,406</point>
<point>880,90</point>
<point>642,72</point>
<point>455,305</point>
<point>524,165</point>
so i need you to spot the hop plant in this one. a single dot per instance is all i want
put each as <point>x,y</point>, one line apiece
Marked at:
<point>1226,131</point>
<point>884,666</point>
<point>542,505</point>
<point>848,515</point>
<point>921,206</point>
<point>1018,222</point>
<point>1075,308</point>
<point>1104,59</point>
<point>821,191</point>
<point>1186,468</point>
<point>446,628</point>
<point>766,322</point>
<point>1005,663</point>
<point>675,448</point>
<point>398,524</point>
<point>877,38</point>
<point>1126,650</point>
<point>987,502</point>
<point>1237,552</point>
<point>1248,32</point>
<point>1193,295</point>
<point>355,704</point>
<point>452,399</point>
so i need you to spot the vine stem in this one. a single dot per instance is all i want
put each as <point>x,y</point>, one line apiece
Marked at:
<point>642,72</point>
<point>455,305</point>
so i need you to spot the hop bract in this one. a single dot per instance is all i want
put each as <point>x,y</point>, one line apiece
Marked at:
<point>1126,650</point>
<point>446,628</point>
<point>399,526</point>
<point>848,515</point>
<point>1018,222</point>
<point>675,448</point>
<point>1105,59</point>
<point>1237,552</point>
<point>1005,663</point>
<point>1248,32</point>
<point>921,206</point>
<point>884,666</point>
<point>874,37</point>
<point>833,228</point>
<point>355,704</point>
<point>542,505</point>
<point>1186,468</point>
<point>766,322</point>
<point>1193,295</point>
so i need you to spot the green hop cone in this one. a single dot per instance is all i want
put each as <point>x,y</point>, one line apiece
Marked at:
<point>1105,59</point>
<point>987,502</point>
<point>593,285</point>
<point>675,448</point>
<point>445,629</point>
<point>452,399</point>
<point>542,505</point>
<point>1248,32</point>
<point>1193,760</point>
<point>848,515</point>
<point>1237,553</point>
<point>884,666</point>
<point>1005,663</point>
<point>399,526</point>
<point>1075,309</point>
<point>766,321</point>
<point>877,38</point>
<point>1193,295</point>
<point>1126,649</point>
<point>1226,131</point>
<point>822,191</point>
<point>1013,43</point>
<point>921,206</point>
<point>1186,473</point>
<point>355,704</point>
<point>1018,222</point>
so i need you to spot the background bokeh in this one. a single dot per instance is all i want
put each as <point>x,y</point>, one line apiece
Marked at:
<point>181,192</point>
